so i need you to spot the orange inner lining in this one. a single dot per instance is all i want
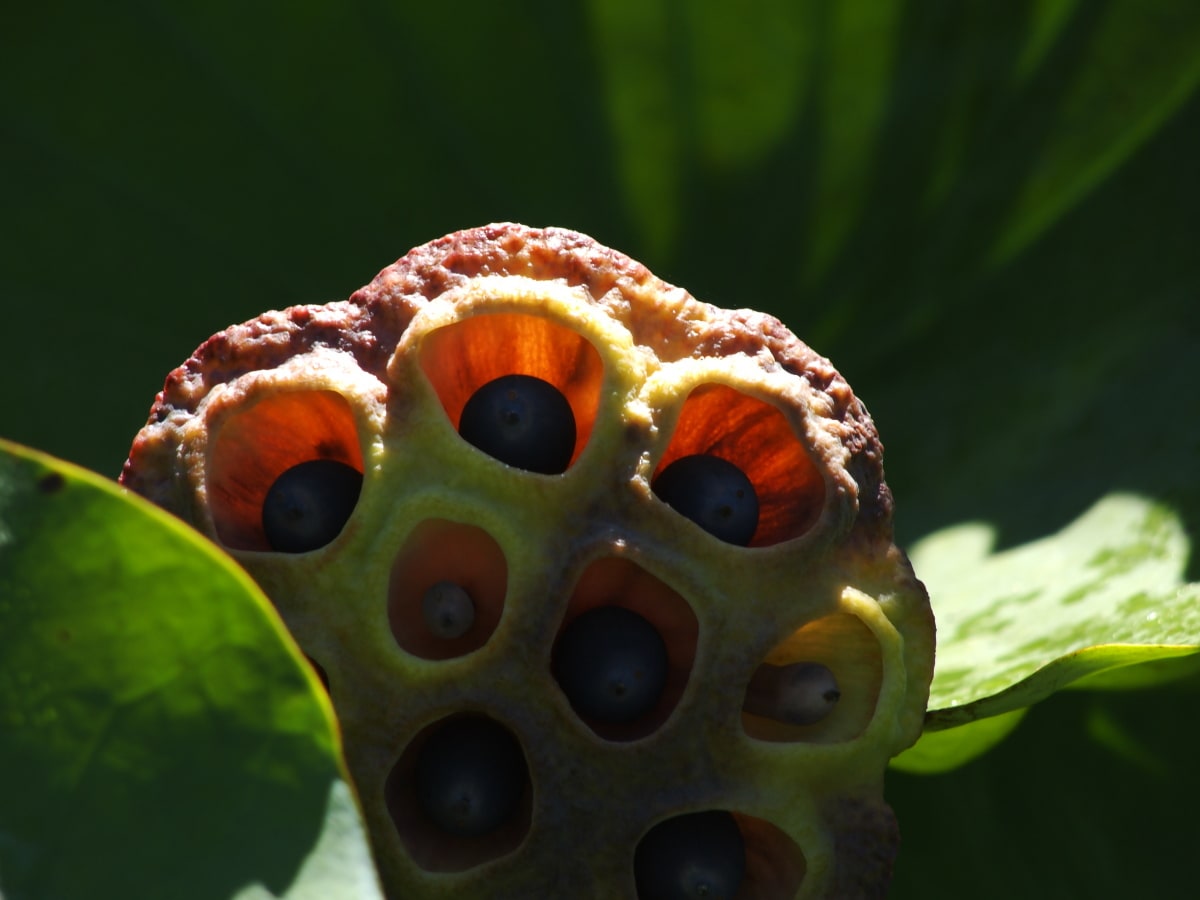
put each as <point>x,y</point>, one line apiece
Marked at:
<point>440,550</point>
<point>844,644</point>
<point>257,444</point>
<point>461,358</point>
<point>756,437</point>
<point>775,865</point>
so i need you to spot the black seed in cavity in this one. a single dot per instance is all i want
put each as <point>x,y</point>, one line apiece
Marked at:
<point>712,492</point>
<point>470,775</point>
<point>448,610</point>
<point>308,505</point>
<point>522,421</point>
<point>689,857</point>
<point>801,693</point>
<point>612,664</point>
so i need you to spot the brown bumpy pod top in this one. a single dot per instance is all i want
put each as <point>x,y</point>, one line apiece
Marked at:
<point>601,577</point>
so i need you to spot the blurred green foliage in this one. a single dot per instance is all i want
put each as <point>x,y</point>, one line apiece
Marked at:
<point>985,214</point>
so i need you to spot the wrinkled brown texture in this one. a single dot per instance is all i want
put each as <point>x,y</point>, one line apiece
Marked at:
<point>371,322</point>
<point>867,838</point>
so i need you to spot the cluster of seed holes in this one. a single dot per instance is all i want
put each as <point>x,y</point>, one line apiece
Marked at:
<point>460,794</point>
<point>735,468</point>
<point>625,650</point>
<point>446,590</point>
<point>717,854</point>
<point>523,389</point>
<point>284,473</point>
<point>819,685</point>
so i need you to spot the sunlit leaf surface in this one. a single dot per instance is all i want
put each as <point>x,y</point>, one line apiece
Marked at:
<point>941,751</point>
<point>1015,626</point>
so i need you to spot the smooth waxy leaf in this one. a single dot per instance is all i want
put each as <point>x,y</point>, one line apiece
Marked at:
<point>159,734</point>
<point>1105,592</point>
<point>941,751</point>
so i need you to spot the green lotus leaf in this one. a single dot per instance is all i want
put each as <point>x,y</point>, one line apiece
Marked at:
<point>941,751</point>
<point>160,736</point>
<point>1015,626</point>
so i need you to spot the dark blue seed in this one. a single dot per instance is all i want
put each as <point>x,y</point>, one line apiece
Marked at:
<point>522,421</point>
<point>612,664</point>
<point>713,493</point>
<point>699,855</point>
<point>470,775</point>
<point>308,504</point>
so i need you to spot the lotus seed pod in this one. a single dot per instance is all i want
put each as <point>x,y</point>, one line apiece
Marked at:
<point>798,643</point>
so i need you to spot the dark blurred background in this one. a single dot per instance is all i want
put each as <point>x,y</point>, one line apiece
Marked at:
<point>987,215</point>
